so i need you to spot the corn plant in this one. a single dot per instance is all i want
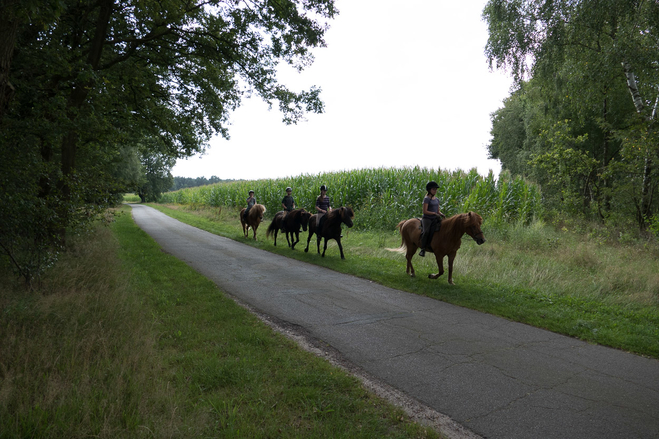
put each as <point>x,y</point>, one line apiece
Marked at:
<point>381,197</point>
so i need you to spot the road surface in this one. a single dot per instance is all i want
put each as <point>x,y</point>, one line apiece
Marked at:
<point>495,378</point>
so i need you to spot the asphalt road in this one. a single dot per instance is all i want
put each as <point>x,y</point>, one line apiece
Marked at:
<point>498,379</point>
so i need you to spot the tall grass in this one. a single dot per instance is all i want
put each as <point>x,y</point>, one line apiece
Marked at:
<point>382,197</point>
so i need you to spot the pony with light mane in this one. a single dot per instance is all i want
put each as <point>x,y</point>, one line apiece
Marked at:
<point>291,224</point>
<point>254,218</point>
<point>446,242</point>
<point>331,227</point>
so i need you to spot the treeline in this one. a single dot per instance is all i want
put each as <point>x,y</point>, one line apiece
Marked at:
<point>185,182</point>
<point>582,122</point>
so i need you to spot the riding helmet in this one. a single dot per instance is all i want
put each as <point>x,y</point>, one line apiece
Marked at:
<point>288,189</point>
<point>430,185</point>
<point>250,192</point>
<point>323,188</point>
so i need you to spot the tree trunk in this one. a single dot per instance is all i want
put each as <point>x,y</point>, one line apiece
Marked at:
<point>75,104</point>
<point>8,32</point>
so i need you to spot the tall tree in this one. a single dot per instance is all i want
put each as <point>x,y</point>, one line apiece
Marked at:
<point>91,75</point>
<point>583,54</point>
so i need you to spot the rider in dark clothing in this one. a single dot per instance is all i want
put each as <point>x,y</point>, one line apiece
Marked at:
<point>431,213</point>
<point>251,201</point>
<point>288,203</point>
<point>322,206</point>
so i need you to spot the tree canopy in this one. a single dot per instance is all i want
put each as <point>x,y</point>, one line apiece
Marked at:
<point>583,119</point>
<point>89,86</point>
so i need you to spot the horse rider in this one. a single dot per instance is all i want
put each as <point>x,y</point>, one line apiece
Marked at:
<point>431,214</point>
<point>251,201</point>
<point>288,203</point>
<point>322,206</point>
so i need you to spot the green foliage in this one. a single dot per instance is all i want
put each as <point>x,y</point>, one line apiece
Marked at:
<point>573,126</point>
<point>381,197</point>
<point>88,90</point>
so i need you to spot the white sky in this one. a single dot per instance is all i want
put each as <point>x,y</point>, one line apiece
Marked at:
<point>404,84</point>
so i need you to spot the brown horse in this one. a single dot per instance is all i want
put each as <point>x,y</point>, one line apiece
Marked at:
<point>446,242</point>
<point>331,227</point>
<point>290,224</point>
<point>254,218</point>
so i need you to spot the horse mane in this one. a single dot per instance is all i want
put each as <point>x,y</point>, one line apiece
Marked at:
<point>336,215</point>
<point>455,226</point>
<point>257,210</point>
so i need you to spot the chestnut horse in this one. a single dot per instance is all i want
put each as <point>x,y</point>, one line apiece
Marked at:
<point>331,227</point>
<point>446,242</point>
<point>254,218</point>
<point>290,224</point>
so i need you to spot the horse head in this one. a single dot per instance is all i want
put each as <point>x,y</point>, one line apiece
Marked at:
<point>473,227</point>
<point>304,219</point>
<point>257,211</point>
<point>347,216</point>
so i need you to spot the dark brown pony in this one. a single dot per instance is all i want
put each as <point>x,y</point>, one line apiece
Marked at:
<point>446,242</point>
<point>331,227</point>
<point>254,218</point>
<point>290,224</point>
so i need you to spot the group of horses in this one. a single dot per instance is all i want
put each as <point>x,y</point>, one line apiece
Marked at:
<point>290,224</point>
<point>445,242</point>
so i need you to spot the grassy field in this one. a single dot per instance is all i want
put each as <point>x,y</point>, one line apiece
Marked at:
<point>121,340</point>
<point>567,279</point>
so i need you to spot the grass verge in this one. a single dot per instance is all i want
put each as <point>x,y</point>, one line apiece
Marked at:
<point>123,340</point>
<point>561,281</point>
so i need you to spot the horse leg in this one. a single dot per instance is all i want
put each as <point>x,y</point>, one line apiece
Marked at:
<point>318,243</point>
<point>440,264</point>
<point>276,237</point>
<point>287,240</point>
<point>411,250</point>
<point>338,241</point>
<point>311,232</point>
<point>297,239</point>
<point>451,257</point>
<point>324,248</point>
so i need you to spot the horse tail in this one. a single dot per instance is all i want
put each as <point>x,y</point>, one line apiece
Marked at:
<point>271,228</point>
<point>402,247</point>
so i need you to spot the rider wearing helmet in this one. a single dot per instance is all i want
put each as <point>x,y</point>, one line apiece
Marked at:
<point>322,206</point>
<point>431,213</point>
<point>288,203</point>
<point>251,201</point>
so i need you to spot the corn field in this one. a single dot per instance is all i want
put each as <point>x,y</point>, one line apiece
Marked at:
<point>381,197</point>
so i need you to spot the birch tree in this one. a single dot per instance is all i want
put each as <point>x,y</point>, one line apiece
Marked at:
<point>586,51</point>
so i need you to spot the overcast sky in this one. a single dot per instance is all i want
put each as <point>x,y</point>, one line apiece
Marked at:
<point>404,84</point>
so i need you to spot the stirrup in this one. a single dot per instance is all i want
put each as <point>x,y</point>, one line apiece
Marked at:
<point>422,253</point>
